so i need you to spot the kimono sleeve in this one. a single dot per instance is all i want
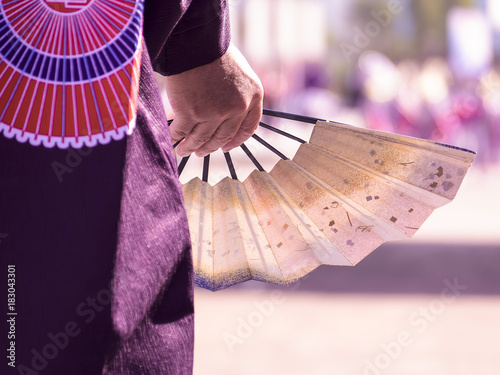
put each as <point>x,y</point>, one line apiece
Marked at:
<point>183,35</point>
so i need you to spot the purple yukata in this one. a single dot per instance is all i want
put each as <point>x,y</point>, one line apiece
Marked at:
<point>95,251</point>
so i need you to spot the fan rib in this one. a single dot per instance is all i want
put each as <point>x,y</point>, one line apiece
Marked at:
<point>206,166</point>
<point>251,157</point>
<point>291,116</point>
<point>182,164</point>
<point>230,165</point>
<point>281,132</point>
<point>268,146</point>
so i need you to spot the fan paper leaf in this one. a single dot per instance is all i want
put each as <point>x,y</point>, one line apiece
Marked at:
<point>344,193</point>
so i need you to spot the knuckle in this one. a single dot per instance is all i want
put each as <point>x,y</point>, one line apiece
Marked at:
<point>200,138</point>
<point>247,132</point>
<point>219,140</point>
<point>259,96</point>
<point>240,105</point>
<point>251,123</point>
<point>199,113</point>
<point>178,129</point>
<point>178,133</point>
<point>259,92</point>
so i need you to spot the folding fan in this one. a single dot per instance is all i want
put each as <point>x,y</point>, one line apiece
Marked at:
<point>69,70</point>
<point>345,192</point>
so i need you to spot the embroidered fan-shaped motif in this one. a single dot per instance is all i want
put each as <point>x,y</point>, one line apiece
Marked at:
<point>69,70</point>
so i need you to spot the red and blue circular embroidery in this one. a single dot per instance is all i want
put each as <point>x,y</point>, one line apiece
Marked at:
<point>69,70</point>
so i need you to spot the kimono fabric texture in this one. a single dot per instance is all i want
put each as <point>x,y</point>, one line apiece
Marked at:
<point>99,240</point>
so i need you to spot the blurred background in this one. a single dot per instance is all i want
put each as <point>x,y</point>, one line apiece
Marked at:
<point>429,305</point>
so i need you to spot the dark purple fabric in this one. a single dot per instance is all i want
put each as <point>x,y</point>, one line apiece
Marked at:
<point>182,35</point>
<point>99,237</point>
<point>152,305</point>
<point>100,241</point>
<point>60,232</point>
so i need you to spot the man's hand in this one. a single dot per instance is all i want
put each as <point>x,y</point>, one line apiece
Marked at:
<point>218,105</point>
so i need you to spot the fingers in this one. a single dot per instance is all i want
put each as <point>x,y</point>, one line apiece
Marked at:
<point>215,105</point>
<point>206,137</point>
<point>223,134</point>
<point>247,128</point>
<point>180,128</point>
<point>195,136</point>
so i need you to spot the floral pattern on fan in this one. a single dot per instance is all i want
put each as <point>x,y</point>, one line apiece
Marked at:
<point>69,70</point>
